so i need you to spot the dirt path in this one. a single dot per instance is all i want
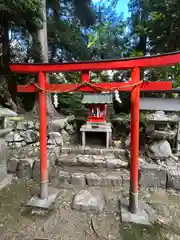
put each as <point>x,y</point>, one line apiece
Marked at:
<point>63,222</point>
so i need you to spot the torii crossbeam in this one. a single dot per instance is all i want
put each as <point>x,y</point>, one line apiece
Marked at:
<point>134,85</point>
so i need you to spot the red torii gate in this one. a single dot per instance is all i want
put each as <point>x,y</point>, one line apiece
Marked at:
<point>134,85</point>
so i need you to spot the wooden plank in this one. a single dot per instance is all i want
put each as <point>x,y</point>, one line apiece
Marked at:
<point>150,61</point>
<point>156,86</point>
<point>27,88</point>
<point>155,104</point>
<point>145,86</point>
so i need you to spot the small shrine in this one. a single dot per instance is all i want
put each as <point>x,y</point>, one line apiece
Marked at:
<point>97,115</point>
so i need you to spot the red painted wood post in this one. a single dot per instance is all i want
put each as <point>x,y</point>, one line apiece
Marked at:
<point>135,97</point>
<point>85,76</point>
<point>142,62</point>
<point>43,144</point>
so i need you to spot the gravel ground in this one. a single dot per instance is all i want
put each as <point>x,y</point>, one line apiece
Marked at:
<point>17,223</point>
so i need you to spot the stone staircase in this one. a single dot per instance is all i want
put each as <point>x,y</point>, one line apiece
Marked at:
<point>91,167</point>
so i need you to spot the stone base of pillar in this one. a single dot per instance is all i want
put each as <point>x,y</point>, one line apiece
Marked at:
<point>36,202</point>
<point>145,215</point>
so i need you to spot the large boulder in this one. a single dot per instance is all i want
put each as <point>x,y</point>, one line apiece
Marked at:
<point>152,175</point>
<point>36,167</point>
<point>14,137</point>
<point>65,136</point>
<point>22,126</point>
<point>30,136</point>
<point>69,129</point>
<point>25,125</point>
<point>88,202</point>
<point>55,138</point>
<point>30,125</point>
<point>57,125</point>
<point>71,119</point>
<point>159,150</point>
<point>127,141</point>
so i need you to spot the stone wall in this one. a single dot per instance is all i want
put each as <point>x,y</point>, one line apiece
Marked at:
<point>27,132</point>
<point>159,137</point>
<point>159,168</point>
<point>102,170</point>
<point>24,146</point>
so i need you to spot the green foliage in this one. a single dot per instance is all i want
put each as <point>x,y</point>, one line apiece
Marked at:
<point>157,22</point>
<point>143,119</point>
<point>79,30</point>
<point>70,42</point>
<point>107,38</point>
<point>25,13</point>
<point>163,26</point>
<point>155,29</point>
<point>175,75</point>
<point>136,53</point>
<point>68,103</point>
<point>84,12</point>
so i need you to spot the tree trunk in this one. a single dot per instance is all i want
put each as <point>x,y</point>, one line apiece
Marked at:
<point>56,17</point>
<point>10,98</point>
<point>42,42</point>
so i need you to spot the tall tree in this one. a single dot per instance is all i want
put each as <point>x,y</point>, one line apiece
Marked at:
<point>18,13</point>
<point>138,21</point>
<point>107,37</point>
<point>42,43</point>
<point>163,26</point>
<point>42,39</point>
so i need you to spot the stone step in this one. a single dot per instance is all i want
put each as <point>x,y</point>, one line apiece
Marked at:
<point>94,161</point>
<point>95,151</point>
<point>74,176</point>
<point>150,176</point>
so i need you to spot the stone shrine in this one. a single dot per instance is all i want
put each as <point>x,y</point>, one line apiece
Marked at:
<point>97,116</point>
